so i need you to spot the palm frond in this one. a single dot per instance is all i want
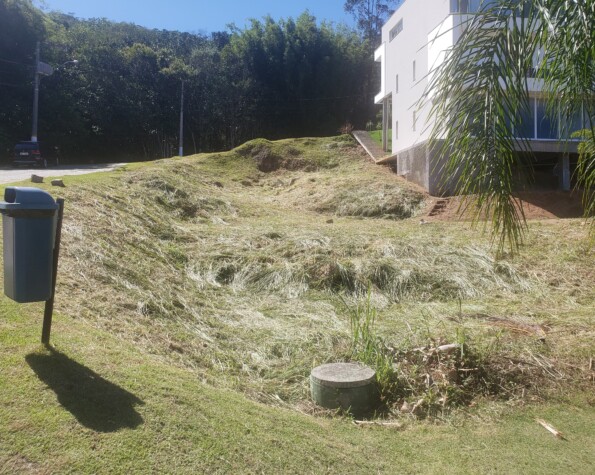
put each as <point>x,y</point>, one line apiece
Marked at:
<point>479,95</point>
<point>568,71</point>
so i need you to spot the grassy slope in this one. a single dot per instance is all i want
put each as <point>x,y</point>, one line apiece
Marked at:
<point>160,289</point>
<point>185,426</point>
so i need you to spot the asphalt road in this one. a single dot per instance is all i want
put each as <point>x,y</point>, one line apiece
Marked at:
<point>12,175</point>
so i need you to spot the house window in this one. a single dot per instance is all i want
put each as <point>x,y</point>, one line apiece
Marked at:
<point>414,70</point>
<point>465,6</point>
<point>537,58</point>
<point>397,85</point>
<point>396,30</point>
<point>537,122</point>
<point>547,126</point>
<point>459,6</point>
<point>575,122</point>
<point>474,6</point>
<point>526,126</point>
<point>397,130</point>
<point>414,120</point>
<point>532,72</point>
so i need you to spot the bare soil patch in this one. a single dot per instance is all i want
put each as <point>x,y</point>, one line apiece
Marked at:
<point>536,205</point>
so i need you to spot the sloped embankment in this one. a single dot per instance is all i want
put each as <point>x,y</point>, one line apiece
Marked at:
<point>243,266</point>
<point>332,177</point>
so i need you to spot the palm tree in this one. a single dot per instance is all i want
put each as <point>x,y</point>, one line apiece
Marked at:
<point>480,93</point>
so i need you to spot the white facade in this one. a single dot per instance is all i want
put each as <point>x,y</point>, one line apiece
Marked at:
<point>414,42</point>
<point>406,60</point>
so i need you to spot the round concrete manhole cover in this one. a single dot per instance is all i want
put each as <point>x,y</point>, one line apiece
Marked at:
<point>347,386</point>
<point>343,375</point>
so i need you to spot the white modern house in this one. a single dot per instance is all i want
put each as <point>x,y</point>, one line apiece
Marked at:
<point>414,41</point>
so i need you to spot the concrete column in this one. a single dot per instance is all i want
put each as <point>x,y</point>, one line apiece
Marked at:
<point>385,124</point>
<point>564,172</point>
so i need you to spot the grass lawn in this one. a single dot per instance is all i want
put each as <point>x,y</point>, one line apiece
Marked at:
<point>377,136</point>
<point>195,295</point>
<point>96,404</point>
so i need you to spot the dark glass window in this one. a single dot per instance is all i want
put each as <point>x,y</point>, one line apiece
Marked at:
<point>472,6</point>
<point>571,123</point>
<point>547,126</point>
<point>526,127</point>
<point>464,6</point>
<point>459,6</point>
<point>396,30</point>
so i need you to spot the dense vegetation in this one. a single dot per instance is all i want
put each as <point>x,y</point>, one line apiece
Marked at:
<point>274,79</point>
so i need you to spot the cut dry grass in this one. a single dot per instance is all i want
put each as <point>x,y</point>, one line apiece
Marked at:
<point>237,266</point>
<point>97,404</point>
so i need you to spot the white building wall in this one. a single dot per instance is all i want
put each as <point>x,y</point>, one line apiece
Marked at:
<point>380,55</point>
<point>428,31</point>
<point>420,17</point>
<point>439,41</point>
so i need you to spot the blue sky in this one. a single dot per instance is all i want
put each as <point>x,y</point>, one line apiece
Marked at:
<point>197,15</point>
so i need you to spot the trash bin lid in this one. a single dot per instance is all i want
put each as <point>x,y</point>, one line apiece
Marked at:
<point>21,197</point>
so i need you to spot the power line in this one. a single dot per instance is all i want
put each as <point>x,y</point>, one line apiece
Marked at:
<point>320,99</point>
<point>11,85</point>
<point>284,102</point>
<point>14,62</point>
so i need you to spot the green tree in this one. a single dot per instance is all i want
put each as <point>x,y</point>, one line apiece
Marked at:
<point>21,26</point>
<point>371,15</point>
<point>274,79</point>
<point>480,93</point>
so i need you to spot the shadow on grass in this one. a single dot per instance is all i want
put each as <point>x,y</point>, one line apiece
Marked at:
<point>95,402</point>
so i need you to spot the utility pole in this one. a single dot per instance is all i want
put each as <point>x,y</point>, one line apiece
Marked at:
<point>35,96</point>
<point>181,149</point>
<point>46,70</point>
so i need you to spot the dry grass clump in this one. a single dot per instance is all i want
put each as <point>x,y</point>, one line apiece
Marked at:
<point>396,270</point>
<point>295,154</point>
<point>246,286</point>
<point>432,380</point>
<point>384,201</point>
<point>185,204</point>
<point>431,370</point>
<point>327,176</point>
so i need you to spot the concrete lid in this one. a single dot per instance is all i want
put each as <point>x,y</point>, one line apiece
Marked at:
<point>343,375</point>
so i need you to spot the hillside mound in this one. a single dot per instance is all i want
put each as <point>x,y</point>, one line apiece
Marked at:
<point>329,176</point>
<point>250,266</point>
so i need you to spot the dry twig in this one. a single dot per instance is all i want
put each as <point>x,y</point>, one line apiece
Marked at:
<point>377,423</point>
<point>550,428</point>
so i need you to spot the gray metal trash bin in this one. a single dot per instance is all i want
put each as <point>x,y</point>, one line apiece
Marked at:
<point>29,230</point>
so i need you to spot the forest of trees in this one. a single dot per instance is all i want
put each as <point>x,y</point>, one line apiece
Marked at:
<point>273,79</point>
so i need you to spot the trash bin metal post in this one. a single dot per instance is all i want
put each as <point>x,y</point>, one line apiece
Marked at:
<point>49,304</point>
